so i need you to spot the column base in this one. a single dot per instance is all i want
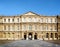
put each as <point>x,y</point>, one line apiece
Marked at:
<point>26,38</point>
<point>32,38</point>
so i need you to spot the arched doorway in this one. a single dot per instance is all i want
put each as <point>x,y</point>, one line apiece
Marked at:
<point>25,36</point>
<point>30,36</point>
<point>35,36</point>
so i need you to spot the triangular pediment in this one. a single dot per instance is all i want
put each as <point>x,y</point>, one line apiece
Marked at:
<point>29,13</point>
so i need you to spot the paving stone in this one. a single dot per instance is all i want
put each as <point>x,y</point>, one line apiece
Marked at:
<point>30,43</point>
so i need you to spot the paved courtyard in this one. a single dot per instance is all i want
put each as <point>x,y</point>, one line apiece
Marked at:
<point>29,43</point>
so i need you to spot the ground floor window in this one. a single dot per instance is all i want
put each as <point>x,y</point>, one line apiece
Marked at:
<point>56,35</point>
<point>51,35</point>
<point>47,35</point>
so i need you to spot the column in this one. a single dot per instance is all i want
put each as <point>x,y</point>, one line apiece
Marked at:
<point>39,36</point>
<point>53,35</point>
<point>49,36</point>
<point>27,36</point>
<point>22,35</point>
<point>33,36</point>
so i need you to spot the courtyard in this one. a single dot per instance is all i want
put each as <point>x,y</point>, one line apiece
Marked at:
<point>29,43</point>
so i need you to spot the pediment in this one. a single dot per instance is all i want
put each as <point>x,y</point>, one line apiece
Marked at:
<point>29,13</point>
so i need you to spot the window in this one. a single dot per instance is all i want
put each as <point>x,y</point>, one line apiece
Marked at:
<point>47,35</point>
<point>56,35</point>
<point>51,20</point>
<point>8,34</point>
<point>30,27</point>
<point>55,28</point>
<point>55,20</point>
<point>35,27</point>
<point>8,27</point>
<point>4,35</point>
<point>30,19</point>
<point>51,35</point>
<point>13,34</point>
<point>46,20</point>
<point>18,27</point>
<point>17,19</point>
<point>4,27</point>
<point>51,28</point>
<point>46,27</point>
<point>4,20</point>
<point>41,19</point>
<point>8,20</point>
<point>41,28</point>
<point>12,20</point>
<point>13,27</point>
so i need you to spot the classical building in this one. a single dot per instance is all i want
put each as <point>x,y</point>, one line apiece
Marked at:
<point>29,26</point>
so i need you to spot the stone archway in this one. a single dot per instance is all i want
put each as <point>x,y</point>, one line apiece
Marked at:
<point>35,36</point>
<point>25,36</point>
<point>30,36</point>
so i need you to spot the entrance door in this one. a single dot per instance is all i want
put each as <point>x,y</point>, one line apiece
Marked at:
<point>25,36</point>
<point>35,36</point>
<point>30,36</point>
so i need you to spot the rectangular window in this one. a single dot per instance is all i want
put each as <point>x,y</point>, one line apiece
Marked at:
<point>4,27</point>
<point>8,27</point>
<point>47,20</point>
<point>41,19</point>
<point>30,27</point>
<point>35,27</point>
<point>51,20</point>
<point>18,27</point>
<point>51,28</point>
<point>18,19</point>
<point>46,27</point>
<point>12,20</point>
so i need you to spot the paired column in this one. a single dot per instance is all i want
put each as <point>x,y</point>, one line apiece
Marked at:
<point>49,36</point>
<point>27,36</point>
<point>22,35</point>
<point>33,36</point>
<point>53,35</point>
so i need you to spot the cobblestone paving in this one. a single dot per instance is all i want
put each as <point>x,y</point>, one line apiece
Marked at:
<point>30,43</point>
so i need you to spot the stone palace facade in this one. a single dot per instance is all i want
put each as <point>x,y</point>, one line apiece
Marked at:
<point>29,26</point>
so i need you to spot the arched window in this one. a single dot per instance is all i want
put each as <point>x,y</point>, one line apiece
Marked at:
<point>56,35</point>
<point>4,35</point>
<point>8,34</point>
<point>4,20</point>
<point>13,35</point>
<point>13,20</point>
<point>8,20</point>
<point>51,35</point>
<point>47,35</point>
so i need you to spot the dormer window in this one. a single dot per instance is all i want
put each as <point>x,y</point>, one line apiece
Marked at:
<point>8,20</point>
<point>4,20</point>
<point>12,20</point>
